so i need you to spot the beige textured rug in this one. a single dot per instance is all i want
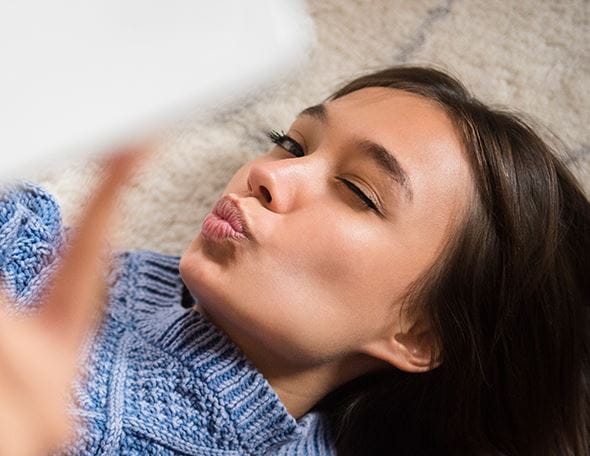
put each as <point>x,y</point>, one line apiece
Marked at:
<point>530,55</point>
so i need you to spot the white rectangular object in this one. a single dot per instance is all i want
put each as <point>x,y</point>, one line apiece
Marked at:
<point>77,75</point>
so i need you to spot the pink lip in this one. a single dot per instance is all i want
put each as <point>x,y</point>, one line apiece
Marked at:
<point>226,221</point>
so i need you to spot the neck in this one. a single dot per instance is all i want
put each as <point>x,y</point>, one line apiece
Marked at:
<point>299,387</point>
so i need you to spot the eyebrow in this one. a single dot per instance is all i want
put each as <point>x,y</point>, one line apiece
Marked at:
<point>377,153</point>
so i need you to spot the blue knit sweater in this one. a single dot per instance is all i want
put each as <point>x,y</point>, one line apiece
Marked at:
<point>158,379</point>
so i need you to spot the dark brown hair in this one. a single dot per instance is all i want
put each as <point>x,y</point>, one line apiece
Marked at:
<point>508,300</point>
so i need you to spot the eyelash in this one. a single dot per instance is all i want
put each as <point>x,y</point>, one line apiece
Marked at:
<point>280,138</point>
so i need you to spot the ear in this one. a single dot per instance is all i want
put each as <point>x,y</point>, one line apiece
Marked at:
<point>410,350</point>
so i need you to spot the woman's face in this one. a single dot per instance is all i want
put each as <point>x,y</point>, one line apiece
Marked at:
<point>323,277</point>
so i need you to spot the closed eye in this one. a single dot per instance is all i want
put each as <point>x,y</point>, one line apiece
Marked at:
<point>293,147</point>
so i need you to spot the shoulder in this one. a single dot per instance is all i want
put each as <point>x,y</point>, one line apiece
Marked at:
<point>31,236</point>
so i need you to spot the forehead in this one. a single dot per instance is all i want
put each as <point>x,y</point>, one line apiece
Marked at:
<point>423,138</point>
<point>377,108</point>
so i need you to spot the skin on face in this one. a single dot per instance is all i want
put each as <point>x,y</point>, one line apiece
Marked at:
<point>314,300</point>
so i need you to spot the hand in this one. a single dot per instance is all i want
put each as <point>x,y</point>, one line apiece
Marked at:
<point>38,352</point>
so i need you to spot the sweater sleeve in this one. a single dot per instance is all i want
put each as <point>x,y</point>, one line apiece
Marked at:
<point>31,238</point>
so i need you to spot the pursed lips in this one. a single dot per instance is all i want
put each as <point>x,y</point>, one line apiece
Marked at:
<point>228,209</point>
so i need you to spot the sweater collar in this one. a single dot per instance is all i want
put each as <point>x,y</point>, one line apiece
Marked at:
<point>253,411</point>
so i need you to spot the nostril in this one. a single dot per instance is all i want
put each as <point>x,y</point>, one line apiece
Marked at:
<point>266,193</point>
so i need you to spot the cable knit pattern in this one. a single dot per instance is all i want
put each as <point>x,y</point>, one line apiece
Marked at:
<point>31,236</point>
<point>157,379</point>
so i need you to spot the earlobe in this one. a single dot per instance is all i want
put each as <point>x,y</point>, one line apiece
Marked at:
<point>410,351</point>
<point>417,349</point>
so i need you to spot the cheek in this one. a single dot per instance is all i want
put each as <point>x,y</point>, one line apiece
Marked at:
<point>337,286</point>
<point>355,261</point>
<point>357,274</point>
<point>345,256</point>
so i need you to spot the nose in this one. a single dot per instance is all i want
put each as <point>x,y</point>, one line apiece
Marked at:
<point>256,187</point>
<point>278,184</point>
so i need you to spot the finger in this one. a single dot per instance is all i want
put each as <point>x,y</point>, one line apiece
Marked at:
<point>30,424</point>
<point>71,304</point>
<point>35,378</point>
<point>28,406</point>
<point>17,435</point>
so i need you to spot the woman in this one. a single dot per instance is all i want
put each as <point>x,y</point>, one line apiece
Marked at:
<point>405,273</point>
